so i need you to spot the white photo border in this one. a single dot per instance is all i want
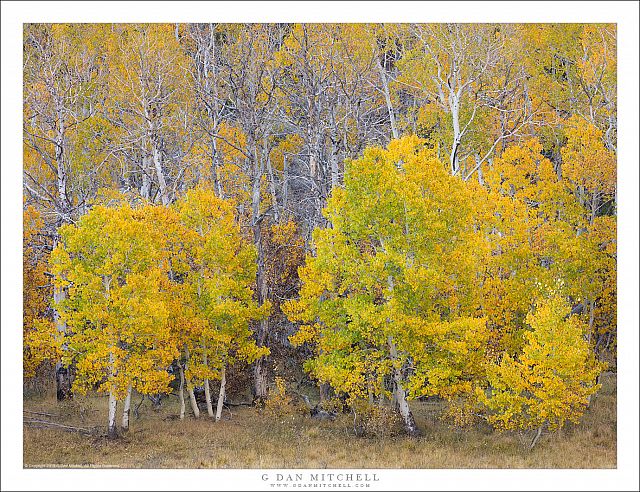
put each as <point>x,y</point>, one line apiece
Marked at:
<point>624,14</point>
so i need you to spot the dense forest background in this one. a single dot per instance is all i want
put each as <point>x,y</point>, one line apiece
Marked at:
<point>467,175</point>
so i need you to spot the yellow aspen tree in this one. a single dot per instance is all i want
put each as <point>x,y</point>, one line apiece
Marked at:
<point>532,231</point>
<point>217,291</point>
<point>572,68</point>
<point>390,292</point>
<point>551,380</point>
<point>119,337</point>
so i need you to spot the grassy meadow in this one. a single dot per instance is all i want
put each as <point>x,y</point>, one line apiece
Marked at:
<point>251,438</point>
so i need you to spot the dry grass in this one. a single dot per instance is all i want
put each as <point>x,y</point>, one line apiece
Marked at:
<point>250,439</point>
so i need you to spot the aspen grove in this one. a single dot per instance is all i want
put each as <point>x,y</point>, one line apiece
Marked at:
<point>381,214</point>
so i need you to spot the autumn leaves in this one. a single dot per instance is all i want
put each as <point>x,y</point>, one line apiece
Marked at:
<point>198,164</point>
<point>448,288</point>
<point>149,285</point>
<point>423,284</point>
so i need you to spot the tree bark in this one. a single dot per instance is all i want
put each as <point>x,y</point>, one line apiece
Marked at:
<point>535,438</point>
<point>112,431</point>
<point>207,390</point>
<point>156,151</point>
<point>260,379</point>
<point>212,109</point>
<point>207,396</point>
<point>181,392</point>
<point>63,374</point>
<point>192,397</point>
<point>63,382</point>
<point>387,97</point>
<point>479,170</point>
<point>285,182</point>
<point>145,188</point>
<point>455,120</point>
<point>335,170</point>
<point>324,392</point>
<point>157,162</point>
<point>61,178</point>
<point>259,369</point>
<point>217,185</point>
<point>399,394</point>
<point>126,410</point>
<point>221,395</point>
<point>272,191</point>
<point>194,403</point>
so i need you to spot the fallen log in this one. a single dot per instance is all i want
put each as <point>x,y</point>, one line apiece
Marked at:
<point>44,424</point>
<point>40,413</point>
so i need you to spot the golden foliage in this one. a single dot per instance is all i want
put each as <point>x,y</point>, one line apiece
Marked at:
<point>40,340</point>
<point>551,381</point>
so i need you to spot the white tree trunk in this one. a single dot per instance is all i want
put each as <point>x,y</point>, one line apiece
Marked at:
<point>61,178</point>
<point>145,188</point>
<point>455,120</point>
<point>207,394</point>
<point>157,162</point>
<point>207,390</point>
<point>272,190</point>
<point>536,437</point>
<point>387,97</point>
<point>285,181</point>
<point>113,404</point>
<point>403,406</point>
<point>126,410</point>
<point>63,377</point>
<point>215,172</point>
<point>194,403</point>
<point>223,383</point>
<point>211,87</point>
<point>400,397</point>
<point>335,170</point>
<point>156,153</point>
<point>181,392</point>
<point>479,170</point>
<point>192,397</point>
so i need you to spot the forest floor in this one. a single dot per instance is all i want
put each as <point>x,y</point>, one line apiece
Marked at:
<point>255,439</point>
